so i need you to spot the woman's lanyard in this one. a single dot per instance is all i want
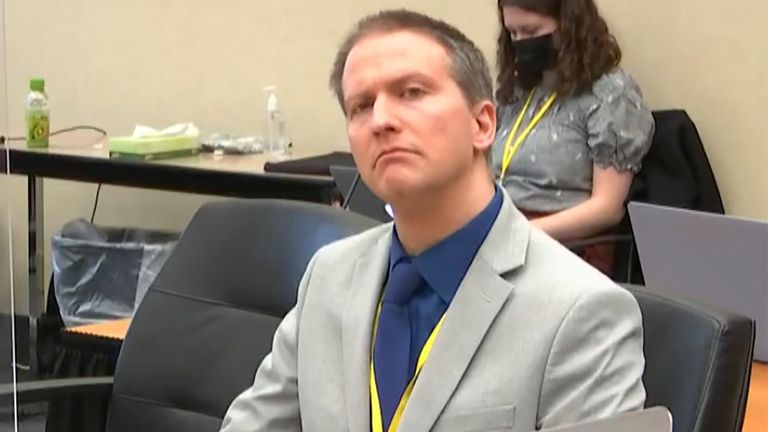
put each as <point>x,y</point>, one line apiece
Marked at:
<point>509,149</point>
<point>377,424</point>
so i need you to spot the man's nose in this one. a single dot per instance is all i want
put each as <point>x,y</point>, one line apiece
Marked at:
<point>385,115</point>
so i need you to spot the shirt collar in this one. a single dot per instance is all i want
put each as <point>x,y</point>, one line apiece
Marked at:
<point>444,265</point>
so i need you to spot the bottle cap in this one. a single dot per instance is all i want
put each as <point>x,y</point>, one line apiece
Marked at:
<point>37,84</point>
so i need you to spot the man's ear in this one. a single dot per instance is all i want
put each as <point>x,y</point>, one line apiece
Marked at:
<point>485,125</point>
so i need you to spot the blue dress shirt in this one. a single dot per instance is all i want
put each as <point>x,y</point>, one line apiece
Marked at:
<point>442,267</point>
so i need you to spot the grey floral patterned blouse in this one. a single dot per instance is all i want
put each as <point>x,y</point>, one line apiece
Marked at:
<point>608,125</point>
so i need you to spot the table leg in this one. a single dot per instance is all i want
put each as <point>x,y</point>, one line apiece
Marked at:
<point>36,263</point>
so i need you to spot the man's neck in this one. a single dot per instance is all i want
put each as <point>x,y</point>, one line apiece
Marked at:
<point>426,220</point>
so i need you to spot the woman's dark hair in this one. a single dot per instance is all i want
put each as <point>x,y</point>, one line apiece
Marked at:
<point>587,48</point>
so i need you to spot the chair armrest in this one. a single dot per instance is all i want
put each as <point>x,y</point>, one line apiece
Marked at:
<point>46,390</point>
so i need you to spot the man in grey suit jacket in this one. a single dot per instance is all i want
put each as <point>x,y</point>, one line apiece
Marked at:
<point>530,337</point>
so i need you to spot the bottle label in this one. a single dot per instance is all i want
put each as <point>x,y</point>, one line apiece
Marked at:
<point>37,129</point>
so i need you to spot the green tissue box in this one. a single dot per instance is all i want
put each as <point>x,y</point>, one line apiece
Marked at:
<point>153,147</point>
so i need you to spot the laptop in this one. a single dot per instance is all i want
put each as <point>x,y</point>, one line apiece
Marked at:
<point>657,419</point>
<point>360,198</point>
<point>717,259</point>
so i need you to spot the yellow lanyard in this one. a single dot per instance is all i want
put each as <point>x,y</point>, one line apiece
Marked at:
<point>509,149</point>
<point>377,424</point>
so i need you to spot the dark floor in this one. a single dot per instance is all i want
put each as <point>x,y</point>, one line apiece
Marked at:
<point>31,418</point>
<point>34,424</point>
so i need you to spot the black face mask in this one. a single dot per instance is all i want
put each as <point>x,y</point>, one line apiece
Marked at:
<point>532,57</point>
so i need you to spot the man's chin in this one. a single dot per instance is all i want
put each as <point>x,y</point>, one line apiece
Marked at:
<point>394,189</point>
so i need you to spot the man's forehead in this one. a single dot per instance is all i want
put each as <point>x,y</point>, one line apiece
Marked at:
<point>375,53</point>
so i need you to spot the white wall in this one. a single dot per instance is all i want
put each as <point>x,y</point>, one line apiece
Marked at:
<point>711,58</point>
<point>115,64</point>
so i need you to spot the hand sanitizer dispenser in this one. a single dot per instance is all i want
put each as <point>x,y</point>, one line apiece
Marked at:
<point>276,140</point>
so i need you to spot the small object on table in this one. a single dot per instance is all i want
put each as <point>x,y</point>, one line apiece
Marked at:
<point>232,144</point>
<point>180,140</point>
<point>37,115</point>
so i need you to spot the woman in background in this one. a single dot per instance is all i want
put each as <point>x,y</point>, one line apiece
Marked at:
<point>573,127</point>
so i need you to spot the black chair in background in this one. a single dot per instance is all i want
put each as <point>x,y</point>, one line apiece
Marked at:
<point>319,165</point>
<point>208,319</point>
<point>676,171</point>
<point>698,361</point>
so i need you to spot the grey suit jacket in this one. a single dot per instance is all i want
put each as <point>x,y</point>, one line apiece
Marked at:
<point>534,338</point>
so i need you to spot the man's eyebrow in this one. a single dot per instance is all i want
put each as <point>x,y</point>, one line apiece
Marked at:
<point>356,97</point>
<point>417,76</point>
<point>421,77</point>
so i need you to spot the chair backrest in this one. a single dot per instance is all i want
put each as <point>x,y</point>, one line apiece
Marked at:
<point>676,171</point>
<point>698,361</point>
<point>208,319</point>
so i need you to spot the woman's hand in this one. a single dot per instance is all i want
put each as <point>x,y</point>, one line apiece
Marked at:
<point>602,211</point>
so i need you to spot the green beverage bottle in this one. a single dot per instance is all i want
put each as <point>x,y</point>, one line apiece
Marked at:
<point>38,115</point>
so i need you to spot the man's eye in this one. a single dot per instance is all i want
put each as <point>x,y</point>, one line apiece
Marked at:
<point>358,108</point>
<point>413,92</point>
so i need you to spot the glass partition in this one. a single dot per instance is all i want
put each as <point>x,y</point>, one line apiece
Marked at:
<point>14,365</point>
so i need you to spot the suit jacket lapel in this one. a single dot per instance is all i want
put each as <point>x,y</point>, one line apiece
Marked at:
<point>482,294</point>
<point>366,284</point>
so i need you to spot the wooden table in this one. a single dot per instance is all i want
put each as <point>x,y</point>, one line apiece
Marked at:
<point>116,329</point>
<point>757,405</point>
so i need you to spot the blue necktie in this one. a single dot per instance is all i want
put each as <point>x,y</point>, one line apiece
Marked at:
<point>392,347</point>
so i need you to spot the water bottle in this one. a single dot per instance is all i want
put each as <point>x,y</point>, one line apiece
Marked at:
<point>37,115</point>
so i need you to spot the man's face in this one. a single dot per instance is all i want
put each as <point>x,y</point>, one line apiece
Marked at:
<point>410,128</point>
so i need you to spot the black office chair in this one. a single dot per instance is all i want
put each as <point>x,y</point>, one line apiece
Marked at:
<point>210,315</point>
<point>698,361</point>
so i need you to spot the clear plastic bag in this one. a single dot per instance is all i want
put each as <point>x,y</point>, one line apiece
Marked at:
<point>232,144</point>
<point>102,273</point>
